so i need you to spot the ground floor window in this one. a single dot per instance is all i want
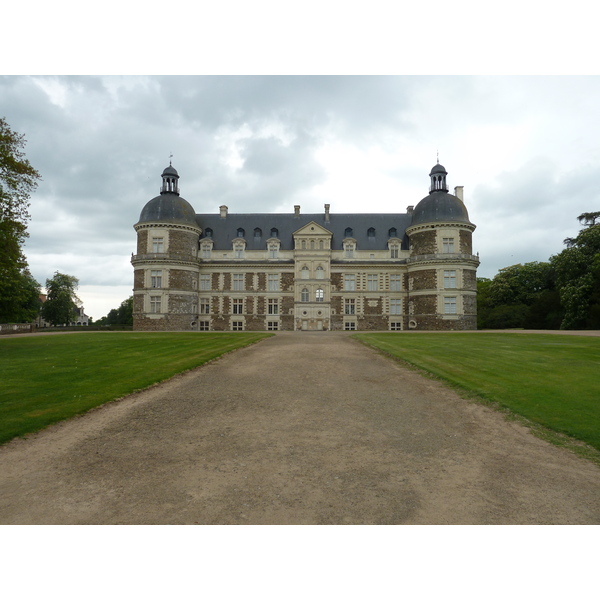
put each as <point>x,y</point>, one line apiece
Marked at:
<point>203,326</point>
<point>350,326</point>
<point>154,304</point>
<point>272,325</point>
<point>450,305</point>
<point>237,326</point>
<point>395,326</point>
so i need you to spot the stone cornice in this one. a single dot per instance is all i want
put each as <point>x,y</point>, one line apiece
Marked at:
<point>139,226</point>
<point>430,226</point>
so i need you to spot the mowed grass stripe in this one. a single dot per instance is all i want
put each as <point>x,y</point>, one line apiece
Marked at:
<point>553,380</point>
<point>45,379</point>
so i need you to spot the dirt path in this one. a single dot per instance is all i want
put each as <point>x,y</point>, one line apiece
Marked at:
<point>305,428</point>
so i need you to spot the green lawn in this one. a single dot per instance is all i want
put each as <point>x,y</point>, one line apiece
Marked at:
<point>48,378</point>
<point>552,380</point>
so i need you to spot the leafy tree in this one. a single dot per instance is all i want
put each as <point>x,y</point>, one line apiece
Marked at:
<point>18,179</point>
<point>577,270</point>
<point>119,316</point>
<point>60,305</point>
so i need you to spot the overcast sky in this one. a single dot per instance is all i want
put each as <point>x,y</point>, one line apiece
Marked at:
<point>525,149</point>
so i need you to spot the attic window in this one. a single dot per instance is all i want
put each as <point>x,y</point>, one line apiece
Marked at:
<point>274,233</point>
<point>348,232</point>
<point>240,232</point>
<point>208,232</point>
<point>257,233</point>
<point>393,232</point>
<point>371,232</point>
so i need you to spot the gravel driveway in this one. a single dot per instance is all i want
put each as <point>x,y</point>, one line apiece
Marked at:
<point>302,428</point>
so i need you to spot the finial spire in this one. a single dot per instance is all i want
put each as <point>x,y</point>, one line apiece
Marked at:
<point>170,161</point>
<point>438,156</point>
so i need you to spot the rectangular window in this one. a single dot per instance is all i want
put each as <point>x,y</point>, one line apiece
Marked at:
<point>273,282</point>
<point>395,306</point>
<point>158,245</point>
<point>238,281</point>
<point>350,282</point>
<point>395,283</point>
<point>349,306</point>
<point>203,326</point>
<point>449,279</point>
<point>237,326</point>
<point>204,306</point>
<point>393,251</point>
<point>450,305</point>
<point>205,251</point>
<point>156,279</point>
<point>273,250</point>
<point>205,281</point>
<point>372,283</point>
<point>273,306</point>
<point>349,250</point>
<point>350,326</point>
<point>154,304</point>
<point>447,245</point>
<point>272,325</point>
<point>238,306</point>
<point>395,326</point>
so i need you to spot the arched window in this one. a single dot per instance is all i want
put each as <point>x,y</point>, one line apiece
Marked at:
<point>240,232</point>
<point>320,272</point>
<point>321,245</point>
<point>303,244</point>
<point>393,232</point>
<point>312,244</point>
<point>371,232</point>
<point>349,232</point>
<point>208,232</point>
<point>319,295</point>
<point>304,272</point>
<point>274,232</point>
<point>304,295</point>
<point>257,233</point>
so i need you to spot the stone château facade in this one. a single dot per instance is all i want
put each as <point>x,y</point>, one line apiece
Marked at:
<point>327,271</point>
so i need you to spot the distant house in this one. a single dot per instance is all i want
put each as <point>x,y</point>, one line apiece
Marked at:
<point>81,318</point>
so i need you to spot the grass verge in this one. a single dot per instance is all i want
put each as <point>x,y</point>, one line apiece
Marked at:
<point>49,378</point>
<point>550,382</point>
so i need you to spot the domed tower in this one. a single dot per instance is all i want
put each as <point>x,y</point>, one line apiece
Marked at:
<point>442,271</point>
<point>165,296</point>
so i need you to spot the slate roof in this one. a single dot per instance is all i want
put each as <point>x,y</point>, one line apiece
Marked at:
<point>225,230</point>
<point>440,206</point>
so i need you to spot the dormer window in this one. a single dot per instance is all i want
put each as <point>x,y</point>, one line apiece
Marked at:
<point>208,232</point>
<point>394,249</point>
<point>206,248</point>
<point>238,249</point>
<point>240,232</point>
<point>273,250</point>
<point>349,249</point>
<point>274,232</point>
<point>257,233</point>
<point>371,233</point>
<point>393,232</point>
<point>348,232</point>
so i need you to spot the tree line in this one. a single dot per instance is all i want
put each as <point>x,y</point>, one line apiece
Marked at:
<point>562,293</point>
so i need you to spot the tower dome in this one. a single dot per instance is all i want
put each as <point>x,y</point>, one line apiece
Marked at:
<point>439,205</point>
<point>169,206</point>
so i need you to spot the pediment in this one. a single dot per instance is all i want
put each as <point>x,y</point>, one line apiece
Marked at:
<point>312,228</point>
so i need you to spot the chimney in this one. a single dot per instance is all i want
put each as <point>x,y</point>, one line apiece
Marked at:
<point>223,210</point>
<point>458,192</point>
<point>409,210</point>
<point>327,213</point>
<point>296,210</point>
